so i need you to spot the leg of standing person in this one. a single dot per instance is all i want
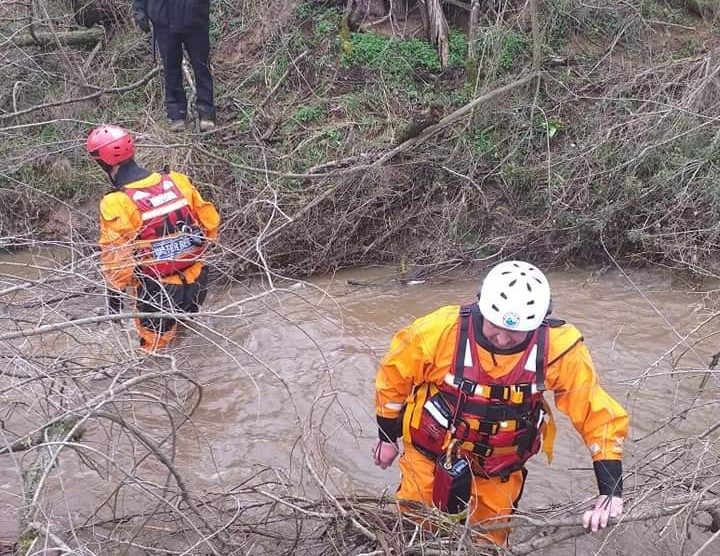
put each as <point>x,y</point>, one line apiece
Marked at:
<point>195,293</point>
<point>197,45</point>
<point>416,477</point>
<point>155,297</point>
<point>170,47</point>
<point>492,500</point>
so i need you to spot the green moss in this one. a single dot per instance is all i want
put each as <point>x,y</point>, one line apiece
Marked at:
<point>308,113</point>
<point>345,38</point>
<point>482,141</point>
<point>26,542</point>
<point>49,133</point>
<point>279,66</point>
<point>304,10</point>
<point>512,48</point>
<point>458,49</point>
<point>130,104</point>
<point>333,136</point>
<point>327,23</point>
<point>661,11</point>
<point>353,102</point>
<point>400,58</point>
<point>500,49</point>
<point>548,127</point>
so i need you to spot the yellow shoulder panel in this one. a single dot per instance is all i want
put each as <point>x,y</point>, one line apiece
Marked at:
<point>116,205</point>
<point>183,183</point>
<point>562,339</point>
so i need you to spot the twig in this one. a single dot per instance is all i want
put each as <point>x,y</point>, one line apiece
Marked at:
<point>451,118</point>
<point>282,78</point>
<point>117,90</point>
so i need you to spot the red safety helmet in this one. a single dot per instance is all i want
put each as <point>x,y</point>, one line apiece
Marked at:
<point>110,144</point>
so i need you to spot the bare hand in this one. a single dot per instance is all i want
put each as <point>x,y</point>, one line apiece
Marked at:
<point>605,508</point>
<point>385,453</point>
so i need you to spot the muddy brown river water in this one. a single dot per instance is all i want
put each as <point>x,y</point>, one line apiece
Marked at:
<point>317,344</point>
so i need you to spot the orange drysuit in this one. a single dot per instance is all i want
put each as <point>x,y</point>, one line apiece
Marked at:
<point>120,223</point>
<point>423,353</point>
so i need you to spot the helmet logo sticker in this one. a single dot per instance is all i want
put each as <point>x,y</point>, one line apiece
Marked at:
<point>511,320</point>
<point>514,295</point>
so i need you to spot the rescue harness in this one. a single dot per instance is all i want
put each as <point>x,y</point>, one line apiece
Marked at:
<point>170,239</point>
<point>497,424</point>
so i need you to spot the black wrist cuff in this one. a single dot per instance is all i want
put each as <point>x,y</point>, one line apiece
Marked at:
<point>608,473</point>
<point>389,429</point>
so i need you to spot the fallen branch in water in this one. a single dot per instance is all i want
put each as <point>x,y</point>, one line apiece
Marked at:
<point>49,433</point>
<point>576,528</point>
<point>60,432</point>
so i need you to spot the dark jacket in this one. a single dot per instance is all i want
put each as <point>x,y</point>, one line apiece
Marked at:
<point>129,172</point>
<point>178,15</point>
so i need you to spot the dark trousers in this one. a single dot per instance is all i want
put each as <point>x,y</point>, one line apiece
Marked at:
<point>197,45</point>
<point>154,296</point>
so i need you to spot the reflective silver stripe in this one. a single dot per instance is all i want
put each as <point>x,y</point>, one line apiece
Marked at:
<point>140,194</point>
<point>468,362</point>
<point>393,405</point>
<point>530,364</point>
<point>167,209</point>
<point>432,410</point>
<point>450,380</point>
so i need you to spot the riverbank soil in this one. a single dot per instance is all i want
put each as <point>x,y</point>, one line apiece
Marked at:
<point>612,152</point>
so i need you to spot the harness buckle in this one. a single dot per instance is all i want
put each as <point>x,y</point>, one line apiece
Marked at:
<point>483,450</point>
<point>467,387</point>
<point>499,392</point>
<point>488,427</point>
<point>517,396</point>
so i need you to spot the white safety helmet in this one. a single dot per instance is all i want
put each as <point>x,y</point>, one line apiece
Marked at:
<point>515,295</point>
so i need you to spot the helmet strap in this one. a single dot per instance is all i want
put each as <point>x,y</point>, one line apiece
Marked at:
<point>107,168</point>
<point>104,165</point>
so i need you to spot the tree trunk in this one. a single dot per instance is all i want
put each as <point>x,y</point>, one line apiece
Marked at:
<point>437,28</point>
<point>472,30</point>
<point>69,38</point>
<point>358,12</point>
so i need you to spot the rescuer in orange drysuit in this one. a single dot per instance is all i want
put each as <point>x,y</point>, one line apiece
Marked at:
<point>464,386</point>
<point>154,230</point>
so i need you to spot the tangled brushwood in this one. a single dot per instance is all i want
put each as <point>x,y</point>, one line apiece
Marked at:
<point>118,452</point>
<point>607,145</point>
